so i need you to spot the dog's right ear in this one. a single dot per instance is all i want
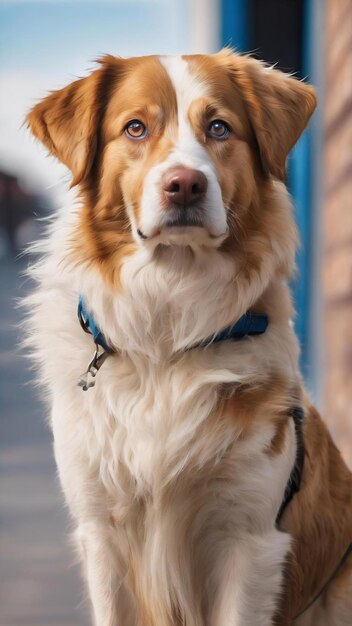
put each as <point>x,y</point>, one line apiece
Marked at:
<point>67,120</point>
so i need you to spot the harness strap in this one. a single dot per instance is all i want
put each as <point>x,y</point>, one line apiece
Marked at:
<point>294,481</point>
<point>328,582</point>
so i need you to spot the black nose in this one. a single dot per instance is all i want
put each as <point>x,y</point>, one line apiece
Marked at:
<point>184,186</point>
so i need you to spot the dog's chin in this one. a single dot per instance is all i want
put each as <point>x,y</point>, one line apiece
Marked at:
<point>194,235</point>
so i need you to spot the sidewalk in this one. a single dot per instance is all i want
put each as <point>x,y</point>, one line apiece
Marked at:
<point>39,586</point>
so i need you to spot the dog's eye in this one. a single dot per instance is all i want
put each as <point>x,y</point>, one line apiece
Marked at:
<point>218,130</point>
<point>136,130</point>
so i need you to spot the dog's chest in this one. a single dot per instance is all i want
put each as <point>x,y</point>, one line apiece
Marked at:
<point>157,425</point>
<point>180,478</point>
<point>150,417</point>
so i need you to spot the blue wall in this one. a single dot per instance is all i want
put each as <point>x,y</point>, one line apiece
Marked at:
<point>234,24</point>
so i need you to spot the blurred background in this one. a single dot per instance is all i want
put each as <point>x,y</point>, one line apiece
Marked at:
<point>46,44</point>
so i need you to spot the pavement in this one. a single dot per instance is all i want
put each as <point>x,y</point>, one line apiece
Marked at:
<point>39,583</point>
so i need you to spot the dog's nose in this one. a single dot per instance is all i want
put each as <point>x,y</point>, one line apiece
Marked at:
<point>184,186</point>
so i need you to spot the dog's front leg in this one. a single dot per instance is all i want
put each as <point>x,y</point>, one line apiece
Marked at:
<point>249,583</point>
<point>100,572</point>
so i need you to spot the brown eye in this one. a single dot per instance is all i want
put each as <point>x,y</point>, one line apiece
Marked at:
<point>136,130</point>
<point>218,130</point>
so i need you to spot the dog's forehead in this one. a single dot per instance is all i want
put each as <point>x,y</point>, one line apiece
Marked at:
<point>172,82</point>
<point>187,83</point>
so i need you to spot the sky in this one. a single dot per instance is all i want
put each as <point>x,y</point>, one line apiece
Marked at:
<point>48,43</point>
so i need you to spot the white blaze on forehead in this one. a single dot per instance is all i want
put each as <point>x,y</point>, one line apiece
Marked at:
<point>187,88</point>
<point>187,151</point>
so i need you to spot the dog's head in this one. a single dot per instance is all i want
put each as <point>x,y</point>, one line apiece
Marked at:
<point>172,150</point>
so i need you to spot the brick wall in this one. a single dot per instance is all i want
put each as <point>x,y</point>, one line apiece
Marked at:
<point>337,222</point>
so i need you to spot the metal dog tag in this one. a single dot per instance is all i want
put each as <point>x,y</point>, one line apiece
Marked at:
<point>88,378</point>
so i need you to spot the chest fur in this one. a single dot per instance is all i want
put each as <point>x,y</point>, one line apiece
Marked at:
<point>183,422</point>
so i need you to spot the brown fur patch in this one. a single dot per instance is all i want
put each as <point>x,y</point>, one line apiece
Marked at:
<point>250,405</point>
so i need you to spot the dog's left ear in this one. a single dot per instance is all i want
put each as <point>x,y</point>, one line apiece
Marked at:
<point>279,108</point>
<point>67,120</point>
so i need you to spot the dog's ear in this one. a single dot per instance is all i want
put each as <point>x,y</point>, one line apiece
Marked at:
<point>67,120</point>
<point>278,106</point>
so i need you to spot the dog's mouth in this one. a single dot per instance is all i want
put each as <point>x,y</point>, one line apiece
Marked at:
<point>179,220</point>
<point>181,234</point>
<point>185,218</point>
<point>185,226</point>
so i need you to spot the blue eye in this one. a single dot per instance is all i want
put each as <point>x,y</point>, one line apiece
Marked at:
<point>136,130</point>
<point>218,130</point>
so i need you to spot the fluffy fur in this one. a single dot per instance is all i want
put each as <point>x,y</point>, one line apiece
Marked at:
<point>175,464</point>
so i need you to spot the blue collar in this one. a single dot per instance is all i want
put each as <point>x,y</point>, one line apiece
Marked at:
<point>249,324</point>
<point>89,325</point>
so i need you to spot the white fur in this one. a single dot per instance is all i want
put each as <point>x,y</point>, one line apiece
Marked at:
<point>138,432</point>
<point>189,153</point>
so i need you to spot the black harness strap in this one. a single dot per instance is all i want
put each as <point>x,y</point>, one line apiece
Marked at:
<point>294,482</point>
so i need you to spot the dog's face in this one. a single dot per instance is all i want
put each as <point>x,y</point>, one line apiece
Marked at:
<point>173,132</point>
<point>172,150</point>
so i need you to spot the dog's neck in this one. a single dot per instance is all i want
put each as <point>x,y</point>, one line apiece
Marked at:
<point>175,298</point>
<point>174,301</point>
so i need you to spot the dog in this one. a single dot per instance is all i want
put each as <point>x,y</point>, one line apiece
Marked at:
<point>204,486</point>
